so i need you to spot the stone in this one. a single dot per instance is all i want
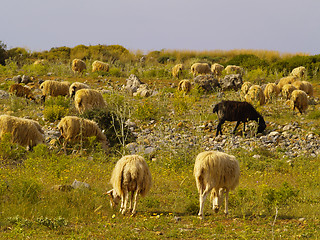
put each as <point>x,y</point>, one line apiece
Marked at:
<point>231,82</point>
<point>207,82</point>
<point>82,185</point>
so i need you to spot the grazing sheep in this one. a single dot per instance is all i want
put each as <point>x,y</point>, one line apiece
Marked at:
<point>87,99</point>
<point>287,90</point>
<point>237,111</point>
<point>308,88</point>
<point>74,87</point>
<point>131,174</point>
<point>200,68</point>
<point>299,101</point>
<point>217,69</point>
<point>217,172</point>
<point>21,91</point>
<point>271,90</point>
<point>75,129</point>
<point>299,72</point>
<point>54,88</point>
<point>286,80</point>
<point>244,89</point>
<point>78,66</point>
<point>184,85</point>
<point>177,70</point>
<point>25,132</point>
<point>40,62</point>
<point>234,69</point>
<point>255,95</point>
<point>98,66</point>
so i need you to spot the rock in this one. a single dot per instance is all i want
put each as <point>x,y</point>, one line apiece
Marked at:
<point>17,79</point>
<point>132,84</point>
<point>4,94</point>
<point>132,147</point>
<point>207,82</point>
<point>77,184</point>
<point>232,81</point>
<point>25,79</point>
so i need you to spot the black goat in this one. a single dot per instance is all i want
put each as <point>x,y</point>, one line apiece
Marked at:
<point>237,111</point>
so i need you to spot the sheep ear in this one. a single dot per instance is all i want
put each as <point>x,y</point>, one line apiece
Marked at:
<point>110,192</point>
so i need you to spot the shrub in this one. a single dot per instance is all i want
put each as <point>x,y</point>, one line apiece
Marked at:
<point>54,112</point>
<point>146,110</point>
<point>10,152</point>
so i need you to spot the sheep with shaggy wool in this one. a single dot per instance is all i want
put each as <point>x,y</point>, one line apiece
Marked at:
<point>98,66</point>
<point>21,91</point>
<point>255,95</point>
<point>78,66</point>
<point>237,111</point>
<point>54,88</point>
<point>217,69</point>
<point>271,90</point>
<point>286,80</point>
<point>74,87</point>
<point>184,86</point>
<point>244,89</point>
<point>87,99</point>
<point>234,69</point>
<point>299,72</point>
<point>131,174</point>
<point>218,173</point>
<point>287,90</point>
<point>200,68</point>
<point>299,101</point>
<point>308,88</point>
<point>25,132</point>
<point>177,70</point>
<point>75,129</point>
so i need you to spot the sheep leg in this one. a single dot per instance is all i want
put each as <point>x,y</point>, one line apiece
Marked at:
<point>235,128</point>
<point>131,200</point>
<point>126,197</point>
<point>202,198</point>
<point>219,127</point>
<point>226,202</point>
<point>135,202</point>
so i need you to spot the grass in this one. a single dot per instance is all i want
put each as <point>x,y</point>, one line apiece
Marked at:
<point>277,197</point>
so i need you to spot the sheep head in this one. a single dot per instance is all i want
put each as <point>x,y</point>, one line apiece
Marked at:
<point>114,198</point>
<point>262,125</point>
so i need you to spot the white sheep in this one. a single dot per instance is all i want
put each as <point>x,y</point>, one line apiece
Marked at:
<point>217,172</point>
<point>255,95</point>
<point>308,88</point>
<point>78,65</point>
<point>87,99</point>
<point>300,72</point>
<point>200,68</point>
<point>287,90</point>
<point>286,80</point>
<point>54,88</point>
<point>271,90</point>
<point>131,174</point>
<point>217,69</point>
<point>25,132</point>
<point>177,70</point>
<point>100,66</point>
<point>74,87</point>
<point>75,129</point>
<point>184,85</point>
<point>299,101</point>
<point>244,89</point>
<point>234,69</point>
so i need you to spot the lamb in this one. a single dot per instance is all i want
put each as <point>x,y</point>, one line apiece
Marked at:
<point>286,80</point>
<point>308,88</point>
<point>98,66</point>
<point>54,88</point>
<point>25,132</point>
<point>299,72</point>
<point>234,69</point>
<point>237,111</point>
<point>271,90</point>
<point>87,99</point>
<point>244,89</point>
<point>255,95</point>
<point>217,69</point>
<point>200,68</point>
<point>78,65</point>
<point>74,129</point>
<point>177,70</point>
<point>299,101</point>
<point>287,90</point>
<point>74,87</point>
<point>131,174</point>
<point>21,91</point>
<point>217,172</point>
<point>184,85</point>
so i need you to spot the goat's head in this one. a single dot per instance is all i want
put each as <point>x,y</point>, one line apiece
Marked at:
<point>262,125</point>
<point>114,198</point>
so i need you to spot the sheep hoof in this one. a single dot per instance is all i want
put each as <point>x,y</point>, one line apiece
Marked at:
<point>200,217</point>
<point>123,211</point>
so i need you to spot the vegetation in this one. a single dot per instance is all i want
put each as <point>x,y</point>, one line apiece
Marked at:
<point>278,196</point>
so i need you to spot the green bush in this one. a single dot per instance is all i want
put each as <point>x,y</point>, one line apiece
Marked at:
<point>54,112</point>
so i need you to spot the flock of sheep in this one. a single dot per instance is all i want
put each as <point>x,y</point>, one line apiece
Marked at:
<point>214,172</point>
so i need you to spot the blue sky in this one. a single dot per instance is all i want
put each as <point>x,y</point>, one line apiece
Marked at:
<point>288,26</point>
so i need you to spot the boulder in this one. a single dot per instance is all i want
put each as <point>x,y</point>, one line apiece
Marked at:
<point>208,82</point>
<point>231,82</point>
